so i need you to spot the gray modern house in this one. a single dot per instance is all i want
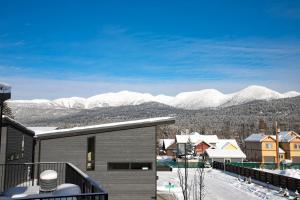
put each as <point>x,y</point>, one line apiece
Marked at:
<point>121,156</point>
<point>17,142</point>
<point>20,175</point>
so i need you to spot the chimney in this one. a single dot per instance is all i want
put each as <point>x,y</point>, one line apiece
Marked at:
<point>187,132</point>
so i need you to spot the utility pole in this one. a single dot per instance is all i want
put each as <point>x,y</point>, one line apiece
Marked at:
<point>277,147</point>
<point>185,173</point>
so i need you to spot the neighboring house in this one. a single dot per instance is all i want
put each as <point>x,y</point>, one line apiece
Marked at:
<point>210,139</point>
<point>224,155</point>
<point>262,148</point>
<point>17,142</point>
<point>200,142</point>
<point>169,147</point>
<point>122,156</point>
<point>290,143</point>
<point>201,146</point>
<point>225,150</point>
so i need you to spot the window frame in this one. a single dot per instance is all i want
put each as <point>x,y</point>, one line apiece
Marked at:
<point>297,146</point>
<point>93,156</point>
<point>130,168</point>
<point>269,145</point>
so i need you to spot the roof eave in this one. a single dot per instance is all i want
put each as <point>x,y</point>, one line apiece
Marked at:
<point>93,130</point>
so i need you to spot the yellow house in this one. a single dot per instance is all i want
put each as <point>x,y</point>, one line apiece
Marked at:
<point>262,148</point>
<point>290,142</point>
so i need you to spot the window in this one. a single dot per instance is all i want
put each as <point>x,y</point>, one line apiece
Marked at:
<point>118,166</point>
<point>129,166</point>
<point>141,166</point>
<point>23,147</point>
<point>280,156</point>
<point>90,160</point>
<point>268,146</point>
<point>296,146</point>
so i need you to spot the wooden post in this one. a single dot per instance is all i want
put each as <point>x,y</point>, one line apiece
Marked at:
<point>277,147</point>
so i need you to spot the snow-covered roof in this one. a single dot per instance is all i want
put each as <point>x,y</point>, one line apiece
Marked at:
<point>286,136</point>
<point>107,127</point>
<point>256,137</point>
<point>42,129</point>
<point>281,150</point>
<point>209,138</point>
<point>5,88</point>
<point>195,138</point>
<point>223,153</point>
<point>222,143</point>
<point>184,138</point>
<point>168,142</point>
<point>161,142</point>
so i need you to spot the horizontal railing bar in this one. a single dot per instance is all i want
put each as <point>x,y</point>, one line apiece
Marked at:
<point>67,196</point>
<point>27,173</point>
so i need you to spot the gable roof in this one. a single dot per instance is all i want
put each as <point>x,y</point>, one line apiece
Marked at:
<point>287,136</point>
<point>224,153</point>
<point>257,137</point>
<point>209,138</point>
<point>84,130</point>
<point>196,138</point>
<point>222,143</point>
<point>202,141</point>
<point>281,150</point>
<point>168,142</point>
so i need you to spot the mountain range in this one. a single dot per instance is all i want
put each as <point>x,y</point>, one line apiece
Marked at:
<point>207,98</point>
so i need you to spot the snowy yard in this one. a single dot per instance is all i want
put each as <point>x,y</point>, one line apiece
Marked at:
<point>218,186</point>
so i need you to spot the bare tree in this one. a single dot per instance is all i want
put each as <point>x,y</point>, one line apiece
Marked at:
<point>200,192</point>
<point>185,187</point>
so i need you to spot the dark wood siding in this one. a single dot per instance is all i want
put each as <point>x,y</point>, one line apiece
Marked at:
<point>14,145</point>
<point>132,145</point>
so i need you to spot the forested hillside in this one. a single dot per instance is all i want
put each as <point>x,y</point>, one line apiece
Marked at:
<point>234,122</point>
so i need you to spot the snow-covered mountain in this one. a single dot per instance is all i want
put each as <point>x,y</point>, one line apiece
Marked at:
<point>187,100</point>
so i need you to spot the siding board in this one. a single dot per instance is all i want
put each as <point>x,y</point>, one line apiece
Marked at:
<point>132,145</point>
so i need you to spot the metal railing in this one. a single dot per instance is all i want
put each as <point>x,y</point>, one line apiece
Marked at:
<point>27,174</point>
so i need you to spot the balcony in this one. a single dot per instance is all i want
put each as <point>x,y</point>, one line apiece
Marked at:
<point>23,181</point>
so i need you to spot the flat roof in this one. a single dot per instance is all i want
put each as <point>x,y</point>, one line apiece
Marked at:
<point>84,130</point>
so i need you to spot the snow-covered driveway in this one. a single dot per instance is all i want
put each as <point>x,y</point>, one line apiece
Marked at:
<point>218,186</point>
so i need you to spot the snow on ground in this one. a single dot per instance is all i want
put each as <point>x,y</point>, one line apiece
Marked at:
<point>294,173</point>
<point>218,186</point>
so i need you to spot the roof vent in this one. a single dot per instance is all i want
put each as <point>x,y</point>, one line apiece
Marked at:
<point>48,181</point>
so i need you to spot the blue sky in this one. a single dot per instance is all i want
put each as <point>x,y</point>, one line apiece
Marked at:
<point>52,49</point>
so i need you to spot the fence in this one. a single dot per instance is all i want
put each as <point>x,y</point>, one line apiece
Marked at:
<point>266,165</point>
<point>266,177</point>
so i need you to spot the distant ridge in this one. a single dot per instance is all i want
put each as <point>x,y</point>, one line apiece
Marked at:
<point>207,98</point>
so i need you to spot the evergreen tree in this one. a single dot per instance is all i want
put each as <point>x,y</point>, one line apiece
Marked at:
<point>7,111</point>
<point>189,147</point>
